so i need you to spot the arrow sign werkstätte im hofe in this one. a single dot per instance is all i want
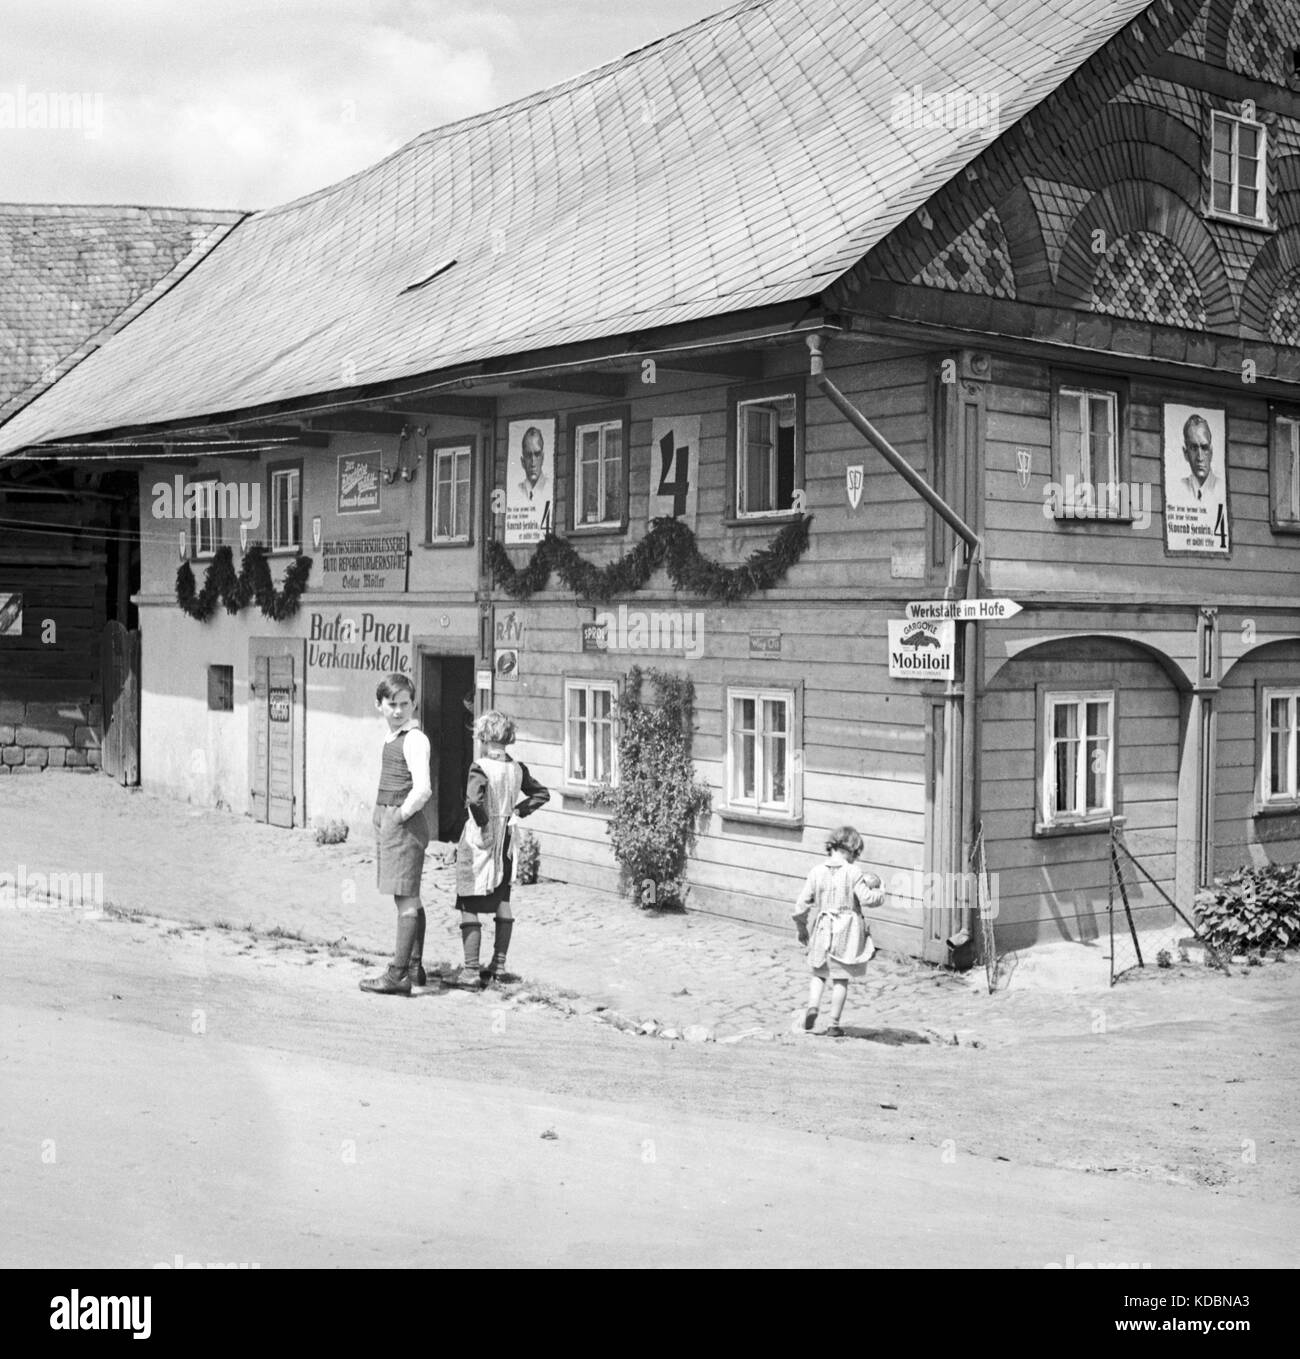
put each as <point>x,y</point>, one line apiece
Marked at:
<point>963,610</point>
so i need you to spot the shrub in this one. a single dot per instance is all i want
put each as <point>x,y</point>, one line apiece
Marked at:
<point>1252,909</point>
<point>658,802</point>
<point>527,856</point>
<point>332,833</point>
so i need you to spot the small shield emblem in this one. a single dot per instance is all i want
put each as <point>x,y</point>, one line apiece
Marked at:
<point>183,546</point>
<point>243,536</point>
<point>315,532</point>
<point>1024,464</point>
<point>853,477</point>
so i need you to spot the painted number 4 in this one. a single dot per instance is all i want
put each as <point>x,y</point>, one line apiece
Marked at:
<point>670,456</point>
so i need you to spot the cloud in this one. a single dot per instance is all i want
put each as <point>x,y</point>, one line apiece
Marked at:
<point>234,104</point>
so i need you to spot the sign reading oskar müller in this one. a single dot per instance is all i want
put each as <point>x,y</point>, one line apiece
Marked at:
<point>377,564</point>
<point>921,649</point>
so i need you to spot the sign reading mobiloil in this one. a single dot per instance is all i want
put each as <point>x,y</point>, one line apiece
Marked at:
<point>921,649</point>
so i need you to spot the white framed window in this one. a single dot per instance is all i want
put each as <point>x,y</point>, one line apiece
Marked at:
<point>598,474</point>
<point>767,454</point>
<point>449,489</point>
<point>1078,773</point>
<point>761,751</point>
<point>590,745</point>
<point>286,509</point>
<point>205,535</point>
<point>1280,775</point>
<point>1284,471</point>
<point>1237,167</point>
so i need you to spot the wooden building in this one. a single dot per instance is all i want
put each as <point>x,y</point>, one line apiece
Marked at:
<point>878,294</point>
<point>71,276</point>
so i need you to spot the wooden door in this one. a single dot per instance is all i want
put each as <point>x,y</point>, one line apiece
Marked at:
<point>280,706</point>
<point>259,757</point>
<point>447,718</point>
<point>120,701</point>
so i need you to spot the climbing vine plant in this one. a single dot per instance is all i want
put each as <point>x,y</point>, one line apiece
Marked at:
<point>658,802</point>
<point>236,592</point>
<point>669,543</point>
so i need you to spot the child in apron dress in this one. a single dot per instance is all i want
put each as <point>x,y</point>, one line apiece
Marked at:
<point>484,867</point>
<point>839,943</point>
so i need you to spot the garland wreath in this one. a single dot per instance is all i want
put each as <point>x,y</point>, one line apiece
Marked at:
<point>236,591</point>
<point>668,543</point>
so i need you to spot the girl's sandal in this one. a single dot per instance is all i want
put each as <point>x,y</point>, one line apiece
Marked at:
<point>809,1020</point>
<point>833,1031</point>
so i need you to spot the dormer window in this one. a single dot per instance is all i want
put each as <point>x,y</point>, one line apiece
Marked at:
<point>1237,168</point>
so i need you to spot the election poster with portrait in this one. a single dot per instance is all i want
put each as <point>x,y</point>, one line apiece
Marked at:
<point>1196,480</point>
<point>530,480</point>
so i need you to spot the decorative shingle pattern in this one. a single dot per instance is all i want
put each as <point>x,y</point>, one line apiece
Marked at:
<point>1057,206</point>
<point>1284,319</point>
<point>1258,42</point>
<point>67,273</point>
<point>750,160</point>
<point>1192,42</point>
<point>1182,103</point>
<point>978,261</point>
<point>1143,276</point>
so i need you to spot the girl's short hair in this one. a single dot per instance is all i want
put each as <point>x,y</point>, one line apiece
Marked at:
<point>845,839</point>
<point>391,685</point>
<point>495,726</point>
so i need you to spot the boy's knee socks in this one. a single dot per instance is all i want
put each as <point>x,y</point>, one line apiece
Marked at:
<point>501,939</point>
<point>472,937</point>
<point>417,948</point>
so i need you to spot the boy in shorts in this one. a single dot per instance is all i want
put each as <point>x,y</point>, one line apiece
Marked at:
<point>402,832</point>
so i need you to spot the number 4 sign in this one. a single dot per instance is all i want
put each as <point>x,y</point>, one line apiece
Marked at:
<point>674,456</point>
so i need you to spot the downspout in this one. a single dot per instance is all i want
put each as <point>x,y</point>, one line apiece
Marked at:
<point>960,941</point>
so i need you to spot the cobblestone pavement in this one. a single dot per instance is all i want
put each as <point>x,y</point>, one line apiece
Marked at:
<point>590,950</point>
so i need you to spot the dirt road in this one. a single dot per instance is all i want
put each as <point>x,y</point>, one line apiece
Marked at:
<point>178,1091</point>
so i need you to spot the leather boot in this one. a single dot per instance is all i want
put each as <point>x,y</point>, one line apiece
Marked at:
<point>396,981</point>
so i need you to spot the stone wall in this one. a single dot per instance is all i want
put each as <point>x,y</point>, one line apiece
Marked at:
<point>35,736</point>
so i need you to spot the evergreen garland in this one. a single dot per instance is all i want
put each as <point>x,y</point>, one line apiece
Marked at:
<point>668,543</point>
<point>236,592</point>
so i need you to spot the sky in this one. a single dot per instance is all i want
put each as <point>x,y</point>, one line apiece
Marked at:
<point>249,103</point>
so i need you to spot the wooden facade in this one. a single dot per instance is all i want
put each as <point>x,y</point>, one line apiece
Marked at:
<point>1111,262</point>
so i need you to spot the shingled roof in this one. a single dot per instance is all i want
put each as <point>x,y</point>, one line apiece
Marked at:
<point>746,161</point>
<point>68,274</point>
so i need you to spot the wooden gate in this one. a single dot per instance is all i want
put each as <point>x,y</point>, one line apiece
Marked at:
<point>274,693</point>
<point>119,672</point>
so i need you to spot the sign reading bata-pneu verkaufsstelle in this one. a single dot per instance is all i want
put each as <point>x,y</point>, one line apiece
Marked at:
<point>369,643</point>
<point>377,563</point>
<point>921,649</point>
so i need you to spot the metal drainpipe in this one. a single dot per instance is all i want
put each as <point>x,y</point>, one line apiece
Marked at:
<point>974,550</point>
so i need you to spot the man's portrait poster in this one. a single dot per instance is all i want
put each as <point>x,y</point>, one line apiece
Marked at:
<point>1196,480</point>
<point>530,480</point>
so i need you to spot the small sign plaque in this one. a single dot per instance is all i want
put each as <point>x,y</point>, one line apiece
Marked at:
<point>920,649</point>
<point>764,643</point>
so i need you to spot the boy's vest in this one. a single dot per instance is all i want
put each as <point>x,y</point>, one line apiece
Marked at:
<point>394,777</point>
<point>479,866</point>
